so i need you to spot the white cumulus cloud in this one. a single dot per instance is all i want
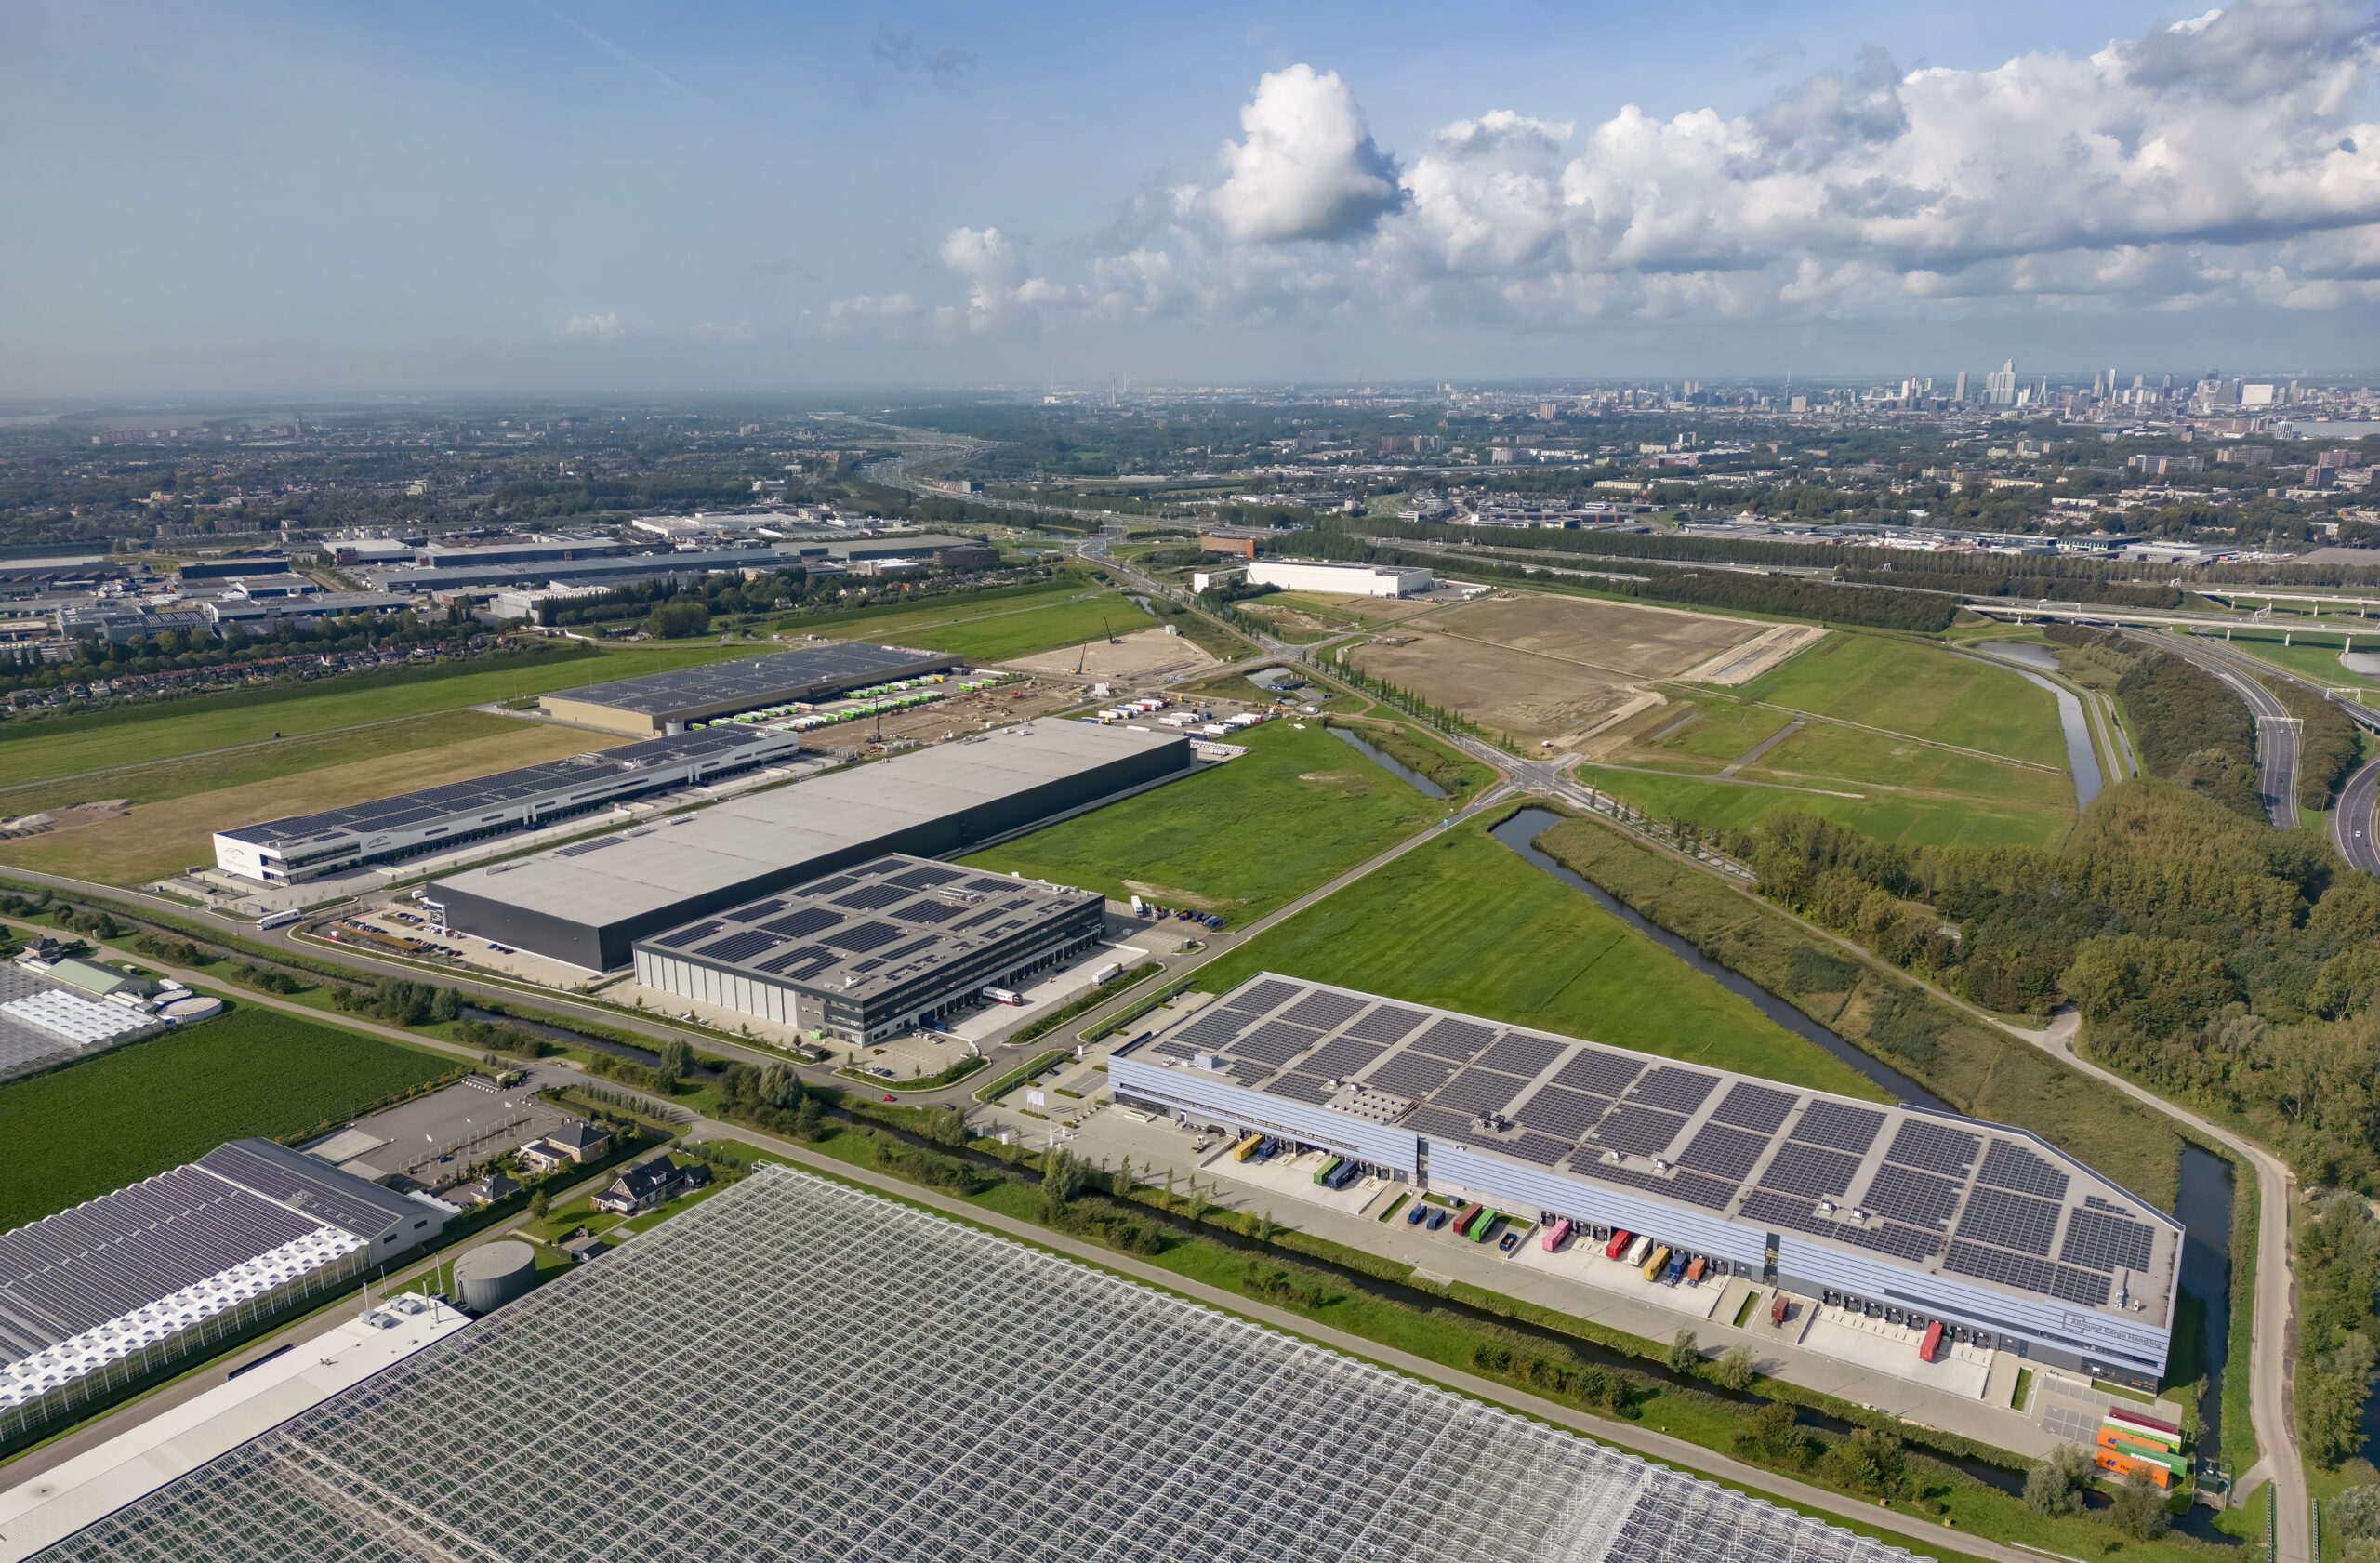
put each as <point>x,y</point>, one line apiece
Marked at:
<point>2234,157</point>
<point>597,328</point>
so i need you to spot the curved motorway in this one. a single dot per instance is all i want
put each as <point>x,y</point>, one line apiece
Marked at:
<point>2276,731</point>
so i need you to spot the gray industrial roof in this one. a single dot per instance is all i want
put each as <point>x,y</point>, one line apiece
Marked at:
<point>644,870</point>
<point>504,787</point>
<point>1014,1406</point>
<point>870,928</point>
<point>786,674</point>
<point>1928,1188</point>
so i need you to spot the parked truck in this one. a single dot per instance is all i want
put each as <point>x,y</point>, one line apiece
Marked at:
<point>1618,1244</point>
<point>1464,1217</point>
<point>1653,1266</point>
<point>1554,1234</point>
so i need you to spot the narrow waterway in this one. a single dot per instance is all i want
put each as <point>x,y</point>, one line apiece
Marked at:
<point>1398,768</point>
<point>2202,1203</point>
<point>1520,834</point>
<point>2081,759</point>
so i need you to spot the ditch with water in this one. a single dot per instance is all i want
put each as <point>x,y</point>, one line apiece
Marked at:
<point>2202,1203</point>
<point>1390,763</point>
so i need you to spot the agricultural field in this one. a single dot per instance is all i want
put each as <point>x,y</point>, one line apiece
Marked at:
<point>1728,763</point>
<point>891,620</point>
<point>1240,839</point>
<point>71,746</point>
<point>1463,922</point>
<point>1921,690</point>
<point>1548,669</point>
<point>119,1117</point>
<point>1003,637</point>
<point>156,839</point>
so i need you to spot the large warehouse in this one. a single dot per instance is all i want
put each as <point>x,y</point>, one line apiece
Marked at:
<point>1915,1216</point>
<point>102,1295</point>
<point>438,818</point>
<point>871,951</point>
<point>1345,580</point>
<point>586,905</point>
<point>816,1372</point>
<point>655,703</point>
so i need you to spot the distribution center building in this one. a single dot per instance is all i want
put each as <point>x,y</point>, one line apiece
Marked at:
<point>871,951</point>
<point>1903,1212</point>
<point>100,1296</point>
<point>1019,1407</point>
<point>1345,580</point>
<point>656,703</point>
<point>436,820</point>
<point>586,905</point>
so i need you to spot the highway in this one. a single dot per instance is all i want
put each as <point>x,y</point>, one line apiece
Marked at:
<point>2355,831</point>
<point>2276,729</point>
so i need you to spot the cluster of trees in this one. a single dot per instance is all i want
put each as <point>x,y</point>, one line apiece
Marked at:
<point>401,1002</point>
<point>2338,1285</point>
<point>2215,958</point>
<point>2191,729</point>
<point>1952,575</point>
<point>1790,596</point>
<point>2062,1483</point>
<point>724,594</point>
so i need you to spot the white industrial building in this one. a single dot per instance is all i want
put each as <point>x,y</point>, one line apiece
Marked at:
<point>1905,1214</point>
<point>1342,580</point>
<point>99,1297</point>
<point>439,820</point>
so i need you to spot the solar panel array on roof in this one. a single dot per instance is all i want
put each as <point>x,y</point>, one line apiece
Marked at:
<point>807,673</point>
<point>2099,1241</point>
<point>2008,1166</point>
<point>1119,1459</point>
<point>1896,1181</point>
<point>1839,1125</point>
<point>884,926</point>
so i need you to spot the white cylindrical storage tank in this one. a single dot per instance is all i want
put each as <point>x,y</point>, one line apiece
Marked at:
<point>198,1006</point>
<point>494,1273</point>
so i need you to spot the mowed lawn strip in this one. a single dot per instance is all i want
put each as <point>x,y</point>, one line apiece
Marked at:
<point>1910,819</point>
<point>44,751</point>
<point>1924,691</point>
<point>1002,636</point>
<point>208,773</point>
<point>1464,924</point>
<point>165,837</point>
<point>119,1117</point>
<point>1243,838</point>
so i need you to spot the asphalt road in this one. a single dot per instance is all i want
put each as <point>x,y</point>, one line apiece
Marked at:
<point>2276,733</point>
<point>2354,825</point>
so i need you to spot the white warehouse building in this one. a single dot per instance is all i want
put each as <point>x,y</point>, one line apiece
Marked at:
<point>1903,1212</point>
<point>1343,580</point>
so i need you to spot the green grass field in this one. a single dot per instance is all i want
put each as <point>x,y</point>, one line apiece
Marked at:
<point>1241,838</point>
<point>1721,732</point>
<point>191,773</point>
<point>1462,922</point>
<point>897,618</point>
<point>1040,630</point>
<point>1912,819</point>
<point>1920,690</point>
<point>78,1132</point>
<point>2309,659</point>
<point>38,752</point>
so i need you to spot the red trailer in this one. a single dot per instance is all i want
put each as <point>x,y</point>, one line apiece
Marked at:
<point>1618,1244</point>
<point>1931,1344</point>
<point>1777,1309</point>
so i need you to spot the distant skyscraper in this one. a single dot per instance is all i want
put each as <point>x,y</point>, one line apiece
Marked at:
<point>2000,386</point>
<point>1960,393</point>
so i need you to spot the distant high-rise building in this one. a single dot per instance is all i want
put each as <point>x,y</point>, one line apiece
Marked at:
<point>1960,392</point>
<point>2000,385</point>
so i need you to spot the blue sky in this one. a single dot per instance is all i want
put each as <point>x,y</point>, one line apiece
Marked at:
<point>599,194</point>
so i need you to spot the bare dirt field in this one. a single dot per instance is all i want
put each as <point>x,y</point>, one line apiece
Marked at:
<point>965,713</point>
<point>1550,669</point>
<point>1615,637</point>
<point>1145,653</point>
<point>1379,610</point>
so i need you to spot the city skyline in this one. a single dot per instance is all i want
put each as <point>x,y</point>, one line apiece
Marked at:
<point>590,198</point>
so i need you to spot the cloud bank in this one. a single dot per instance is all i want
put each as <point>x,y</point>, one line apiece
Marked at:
<point>2233,158</point>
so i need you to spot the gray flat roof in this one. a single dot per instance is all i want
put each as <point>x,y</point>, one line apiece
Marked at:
<point>654,866</point>
<point>504,787</point>
<point>868,929</point>
<point>786,674</point>
<point>1027,1408</point>
<point>1929,1189</point>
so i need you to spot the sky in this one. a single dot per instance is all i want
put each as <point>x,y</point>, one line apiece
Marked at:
<point>422,196</point>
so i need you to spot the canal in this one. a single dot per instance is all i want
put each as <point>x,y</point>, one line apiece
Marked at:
<point>1386,761</point>
<point>2202,1203</point>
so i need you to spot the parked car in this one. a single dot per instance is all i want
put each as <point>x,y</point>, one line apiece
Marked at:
<point>1421,1208</point>
<point>1508,1241</point>
<point>1438,1218</point>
